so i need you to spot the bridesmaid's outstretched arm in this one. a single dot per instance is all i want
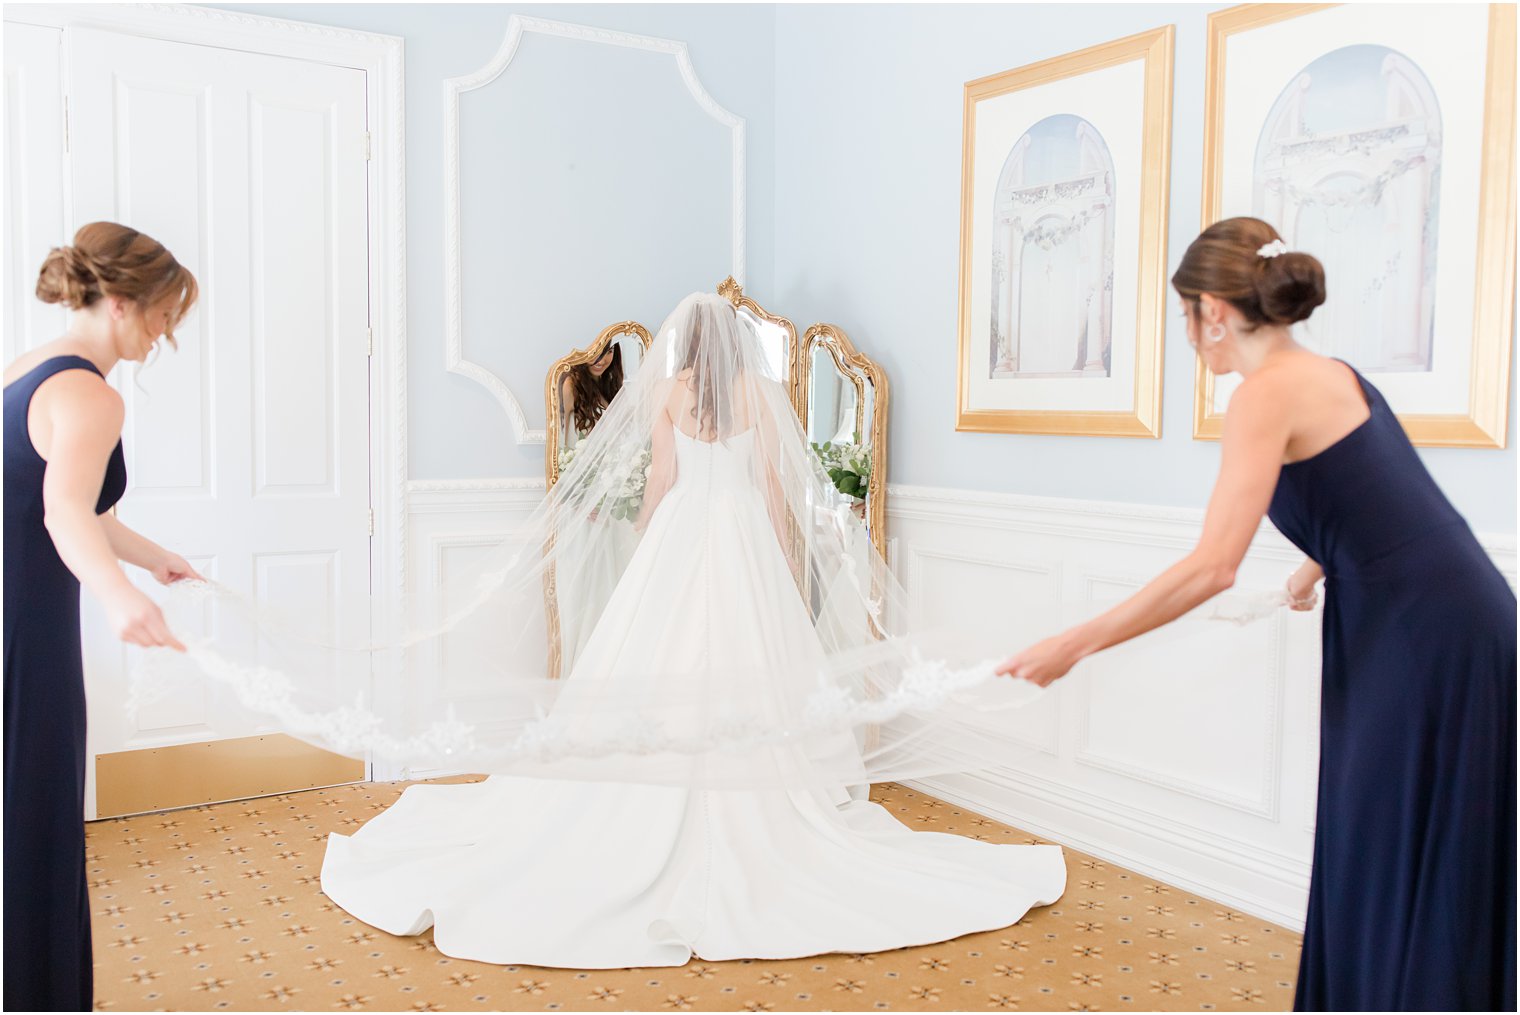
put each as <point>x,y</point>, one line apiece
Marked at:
<point>132,547</point>
<point>1256,432</point>
<point>85,417</point>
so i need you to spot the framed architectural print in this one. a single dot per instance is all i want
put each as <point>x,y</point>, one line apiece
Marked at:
<point>1380,139</point>
<point>1064,180</point>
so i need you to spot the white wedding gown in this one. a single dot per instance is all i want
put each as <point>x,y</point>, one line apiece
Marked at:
<point>597,875</point>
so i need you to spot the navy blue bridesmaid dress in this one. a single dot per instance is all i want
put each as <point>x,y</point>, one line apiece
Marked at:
<point>48,962</point>
<point>1412,899</point>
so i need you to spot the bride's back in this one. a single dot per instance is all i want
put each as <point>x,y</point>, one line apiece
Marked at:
<point>708,409</point>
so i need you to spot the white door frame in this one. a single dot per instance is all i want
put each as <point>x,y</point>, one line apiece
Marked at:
<point>381,58</point>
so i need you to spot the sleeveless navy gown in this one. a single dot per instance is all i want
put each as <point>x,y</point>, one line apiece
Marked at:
<point>48,962</point>
<point>1412,899</point>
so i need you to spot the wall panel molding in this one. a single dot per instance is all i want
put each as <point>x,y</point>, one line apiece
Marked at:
<point>457,360</point>
<point>1243,837</point>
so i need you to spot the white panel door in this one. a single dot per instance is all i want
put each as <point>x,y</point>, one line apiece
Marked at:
<point>34,180</point>
<point>247,450</point>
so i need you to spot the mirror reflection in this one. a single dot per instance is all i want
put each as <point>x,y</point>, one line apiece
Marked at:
<point>839,400</point>
<point>775,342</point>
<point>581,386</point>
<point>842,404</point>
<point>588,388</point>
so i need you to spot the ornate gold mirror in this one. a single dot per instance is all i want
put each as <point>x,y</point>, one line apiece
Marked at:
<point>842,403</point>
<point>839,394</point>
<point>581,384</point>
<point>778,336</point>
<point>591,372</point>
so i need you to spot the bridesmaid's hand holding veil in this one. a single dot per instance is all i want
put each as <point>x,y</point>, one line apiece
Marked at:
<point>1042,663</point>
<point>1256,432</point>
<point>1301,594</point>
<point>171,568</point>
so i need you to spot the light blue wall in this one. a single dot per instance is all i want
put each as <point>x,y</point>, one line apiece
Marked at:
<point>854,118</point>
<point>456,430</point>
<point>868,117</point>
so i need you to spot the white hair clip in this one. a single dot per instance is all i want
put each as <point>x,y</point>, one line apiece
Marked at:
<point>1272,249</point>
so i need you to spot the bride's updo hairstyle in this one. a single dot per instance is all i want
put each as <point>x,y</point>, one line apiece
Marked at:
<point>1235,260</point>
<point>107,259</point>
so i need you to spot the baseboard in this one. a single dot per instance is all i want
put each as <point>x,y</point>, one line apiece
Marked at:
<point>1175,859</point>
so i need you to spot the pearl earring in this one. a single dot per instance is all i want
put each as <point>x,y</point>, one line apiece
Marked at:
<point>1214,333</point>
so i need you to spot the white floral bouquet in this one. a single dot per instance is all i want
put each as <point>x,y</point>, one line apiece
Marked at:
<point>624,476</point>
<point>848,464</point>
<point>567,454</point>
<point>629,475</point>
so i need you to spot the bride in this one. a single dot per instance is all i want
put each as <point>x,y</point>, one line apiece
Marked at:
<point>733,615</point>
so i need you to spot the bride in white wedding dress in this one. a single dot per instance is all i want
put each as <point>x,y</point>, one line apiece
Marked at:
<point>719,606</point>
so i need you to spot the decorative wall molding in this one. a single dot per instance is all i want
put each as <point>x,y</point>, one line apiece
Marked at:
<point>1245,839</point>
<point>911,564</point>
<point>1230,871</point>
<point>1249,848</point>
<point>439,543</point>
<point>494,501</point>
<point>1265,803</point>
<point>470,485</point>
<point>1100,519</point>
<point>456,359</point>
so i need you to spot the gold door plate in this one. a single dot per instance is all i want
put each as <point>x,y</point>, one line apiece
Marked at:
<point>163,778</point>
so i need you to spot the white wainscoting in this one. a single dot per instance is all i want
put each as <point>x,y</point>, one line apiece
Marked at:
<point>456,512</point>
<point>448,522</point>
<point>1202,775</point>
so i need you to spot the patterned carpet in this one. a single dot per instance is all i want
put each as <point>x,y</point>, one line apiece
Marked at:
<point>220,908</point>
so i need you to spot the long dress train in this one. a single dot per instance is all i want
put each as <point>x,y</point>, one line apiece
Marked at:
<point>609,875</point>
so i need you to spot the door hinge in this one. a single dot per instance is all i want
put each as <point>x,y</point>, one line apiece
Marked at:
<point>66,148</point>
<point>371,521</point>
<point>368,146</point>
<point>369,341</point>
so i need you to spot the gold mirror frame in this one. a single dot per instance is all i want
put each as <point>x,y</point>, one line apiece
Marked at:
<point>860,369</point>
<point>557,372</point>
<point>552,381</point>
<point>850,362</point>
<point>732,291</point>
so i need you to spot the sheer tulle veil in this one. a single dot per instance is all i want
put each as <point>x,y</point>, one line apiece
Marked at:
<point>490,670</point>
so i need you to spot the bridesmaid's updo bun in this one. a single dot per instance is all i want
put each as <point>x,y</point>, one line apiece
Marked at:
<point>67,277</point>
<point>107,259</point>
<point>1225,260</point>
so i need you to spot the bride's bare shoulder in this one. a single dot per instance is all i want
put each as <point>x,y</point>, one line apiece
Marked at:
<point>668,393</point>
<point>759,380</point>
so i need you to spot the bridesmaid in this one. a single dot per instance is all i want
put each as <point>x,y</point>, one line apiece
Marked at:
<point>1412,899</point>
<point>64,470</point>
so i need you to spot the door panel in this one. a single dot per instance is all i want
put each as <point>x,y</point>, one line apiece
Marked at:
<point>34,180</point>
<point>248,448</point>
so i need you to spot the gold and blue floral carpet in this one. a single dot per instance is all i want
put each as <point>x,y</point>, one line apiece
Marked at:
<point>220,908</point>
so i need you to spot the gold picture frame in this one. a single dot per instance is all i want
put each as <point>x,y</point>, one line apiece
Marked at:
<point>1485,424</point>
<point>1151,168</point>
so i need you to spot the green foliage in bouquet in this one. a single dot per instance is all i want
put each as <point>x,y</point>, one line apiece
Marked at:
<point>848,464</point>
